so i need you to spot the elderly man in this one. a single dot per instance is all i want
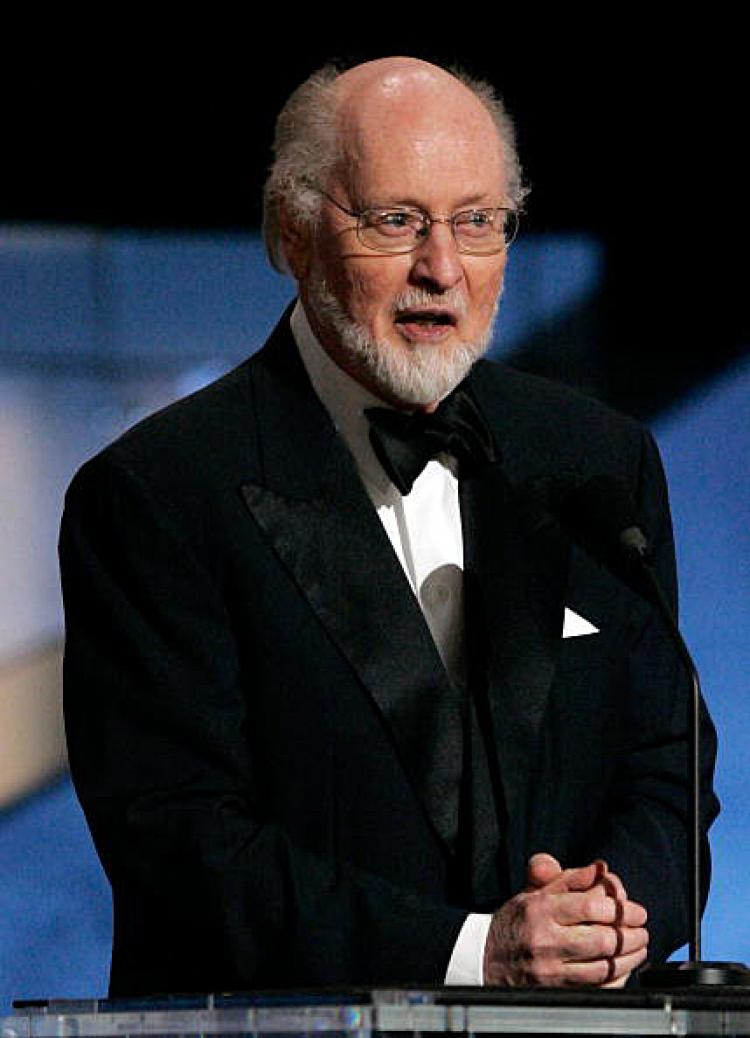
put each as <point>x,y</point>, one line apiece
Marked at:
<point>325,714</point>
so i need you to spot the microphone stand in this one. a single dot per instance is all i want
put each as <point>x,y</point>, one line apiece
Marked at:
<point>695,972</point>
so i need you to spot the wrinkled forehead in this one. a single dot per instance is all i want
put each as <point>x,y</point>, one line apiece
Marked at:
<point>407,131</point>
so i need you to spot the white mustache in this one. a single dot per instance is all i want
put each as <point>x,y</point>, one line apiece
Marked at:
<point>415,298</point>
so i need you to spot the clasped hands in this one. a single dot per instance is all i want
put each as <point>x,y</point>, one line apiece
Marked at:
<point>569,927</point>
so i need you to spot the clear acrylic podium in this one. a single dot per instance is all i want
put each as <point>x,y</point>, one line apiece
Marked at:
<point>392,1013</point>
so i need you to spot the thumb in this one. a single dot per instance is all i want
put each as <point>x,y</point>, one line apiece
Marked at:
<point>542,869</point>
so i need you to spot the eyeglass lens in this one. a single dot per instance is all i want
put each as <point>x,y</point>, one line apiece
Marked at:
<point>476,230</point>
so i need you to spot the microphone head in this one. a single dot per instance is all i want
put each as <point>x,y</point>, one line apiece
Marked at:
<point>599,515</point>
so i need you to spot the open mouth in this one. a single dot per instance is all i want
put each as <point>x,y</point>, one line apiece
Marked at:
<point>427,318</point>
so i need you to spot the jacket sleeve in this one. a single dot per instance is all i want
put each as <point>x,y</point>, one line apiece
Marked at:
<point>210,892</point>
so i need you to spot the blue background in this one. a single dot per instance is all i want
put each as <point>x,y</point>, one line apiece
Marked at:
<point>102,328</point>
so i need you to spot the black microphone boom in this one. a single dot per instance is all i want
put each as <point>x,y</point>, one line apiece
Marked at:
<point>599,515</point>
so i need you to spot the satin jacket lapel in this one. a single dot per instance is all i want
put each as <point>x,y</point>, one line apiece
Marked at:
<point>315,512</point>
<point>515,574</point>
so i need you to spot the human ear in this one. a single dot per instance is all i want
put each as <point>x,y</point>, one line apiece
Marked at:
<point>295,242</point>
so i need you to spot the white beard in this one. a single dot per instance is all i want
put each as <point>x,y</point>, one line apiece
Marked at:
<point>417,373</point>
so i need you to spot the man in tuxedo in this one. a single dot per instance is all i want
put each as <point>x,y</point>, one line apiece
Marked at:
<point>344,704</point>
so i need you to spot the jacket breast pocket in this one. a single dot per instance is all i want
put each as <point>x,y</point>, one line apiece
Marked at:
<point>583,652</point>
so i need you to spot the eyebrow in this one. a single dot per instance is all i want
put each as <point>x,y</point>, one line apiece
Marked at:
<point>475,200</point>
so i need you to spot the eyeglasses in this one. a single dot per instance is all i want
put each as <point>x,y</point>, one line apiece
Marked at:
<point>396,229</point>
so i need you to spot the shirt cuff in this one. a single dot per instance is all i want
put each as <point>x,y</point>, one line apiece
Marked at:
<point>466,966</point>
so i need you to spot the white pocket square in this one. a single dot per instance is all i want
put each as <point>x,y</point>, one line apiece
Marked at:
<point>574,625</point>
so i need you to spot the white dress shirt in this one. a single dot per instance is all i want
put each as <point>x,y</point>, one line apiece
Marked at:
<point>424,528</point>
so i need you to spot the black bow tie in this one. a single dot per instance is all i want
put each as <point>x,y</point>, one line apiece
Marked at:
<point>404,443</point>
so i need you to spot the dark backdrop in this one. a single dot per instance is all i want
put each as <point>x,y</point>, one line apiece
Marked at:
<point>631,127</point>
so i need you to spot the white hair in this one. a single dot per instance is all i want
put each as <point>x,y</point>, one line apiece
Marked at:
<point>306,149</point>
<point>415,374</point>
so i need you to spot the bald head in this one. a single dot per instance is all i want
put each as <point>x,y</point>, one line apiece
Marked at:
<point>330,124</point>
<point>384,87</point>
<point>384,106</point>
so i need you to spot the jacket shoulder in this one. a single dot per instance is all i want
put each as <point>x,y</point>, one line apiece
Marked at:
<point>542,425</point>
<point>207,432</point>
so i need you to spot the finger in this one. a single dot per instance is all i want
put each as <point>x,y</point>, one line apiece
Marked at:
<point>591,943</point>
<point>613,886</point>
<point>606,890</point>
<point>619,983</point>
<point>582,878</point>
<point>622,980</point>
<point>541,869</point>
<point>602,972</point>
<point>590,907</point>
<point>588,877</point>
<point>630,913</point>
<point>602,868</point>
<point>620,968</point>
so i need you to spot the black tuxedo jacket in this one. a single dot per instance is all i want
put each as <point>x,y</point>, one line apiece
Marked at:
<point>261,732</point>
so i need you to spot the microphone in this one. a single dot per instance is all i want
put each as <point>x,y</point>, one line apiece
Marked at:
<point>597,512</point>
<point>599,515</point>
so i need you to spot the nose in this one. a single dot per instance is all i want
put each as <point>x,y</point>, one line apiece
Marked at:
<point>437,261</point>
